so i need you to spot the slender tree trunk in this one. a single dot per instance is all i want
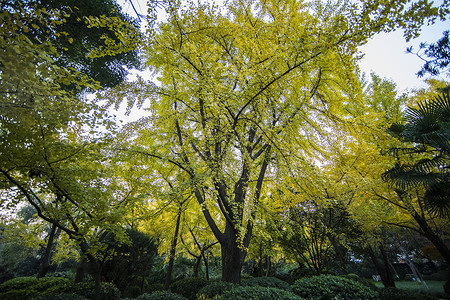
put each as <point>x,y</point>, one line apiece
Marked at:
<point>387,267</point>
<point>45,262</point>
<point>340,252</point>
<point>380,269</point>
<point>268,264</point>
<point>173,249</point>
<point>427,232</point>
<point>260,263</point>
<point>232,256</point>
<point>205,260</point>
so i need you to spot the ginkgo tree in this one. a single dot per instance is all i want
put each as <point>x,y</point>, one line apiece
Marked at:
<point>53,145</point>
<point>247,87</point>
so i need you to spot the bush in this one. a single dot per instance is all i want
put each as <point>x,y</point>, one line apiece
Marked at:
<point>267,282</point>
<point>161,295</point>
<point>28,287</point>
<point>188,287</point>
<point>52,287</point>
<point>257,293</point>
<point>62,296</point>
<point>150,288</point>
<point>364,281</point>
<point>327,287</point>
<point>397,294</point>
<point>214,289</point>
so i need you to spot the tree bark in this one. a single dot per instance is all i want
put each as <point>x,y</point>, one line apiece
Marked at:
<point>380,269</point>
<point>205,260</point>
<point>81,269</point>
<point>340,252</point>
<point>45,262</point>
<point>232,256</point>
<point>387,267</point>
<point>173,249</point>
<point>428,232</point>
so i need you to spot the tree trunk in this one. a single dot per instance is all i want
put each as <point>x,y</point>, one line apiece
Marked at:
<point>45,262</point>
<point>173,249</point>
<point>380,269</point>
<point>205,260</point>
<point>387,267</point>
<point>232,256</point>
<point>260,263</point>
<point>98,280</point>
<point>340,252</point>
<point>81,269</point>
<point>433,238</point>
<point>198,259</point>
<point>268,264</point>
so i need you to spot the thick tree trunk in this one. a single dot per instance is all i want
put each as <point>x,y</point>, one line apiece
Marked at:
<point>433,238</point>
<point>45,262</point>
<point>97,280</point>
<point>198,259</point>
<point>232,256</point>
<point>81,269</point>
<point>173,249</point>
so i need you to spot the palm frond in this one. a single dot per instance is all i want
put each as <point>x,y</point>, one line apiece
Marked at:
<point>437,199</point>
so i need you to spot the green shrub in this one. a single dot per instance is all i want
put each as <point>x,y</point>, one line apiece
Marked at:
<point>267,282</point>
<point>214,289</point>
<point>397,294</point>
<point>367,282</point>
<point>62,296</point>
<point>257,293</point>
<point>52,287</point>
<point>327,287</point>
<point>150,288</point>
<point>28,287</point>
<point>131,291</point>
<point>161,295</point>
<point>188,287</point>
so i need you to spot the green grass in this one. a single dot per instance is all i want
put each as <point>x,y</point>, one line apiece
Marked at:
<point>434,287</point>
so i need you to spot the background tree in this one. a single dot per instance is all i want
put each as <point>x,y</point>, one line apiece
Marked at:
<point>52,150</point>
<point>89,27</point>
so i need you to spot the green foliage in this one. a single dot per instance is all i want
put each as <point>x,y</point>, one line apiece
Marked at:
<point>74,39</point>
<point>161,295</point>
<point>132,261</point>
<point>188,287</point>
<point>27,287</point>
<point>367,282</point>
<point>271,282</point>
<point>62,296</point>
<point>214,289</point>
<point>428,131</point>
<point>154,287</point>
<point>49,287</point>
<point>258,293</point>
<point>397,294</point>
<point>328,287</point>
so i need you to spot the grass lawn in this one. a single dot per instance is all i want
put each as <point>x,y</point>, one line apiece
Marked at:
<point>434,287</point>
